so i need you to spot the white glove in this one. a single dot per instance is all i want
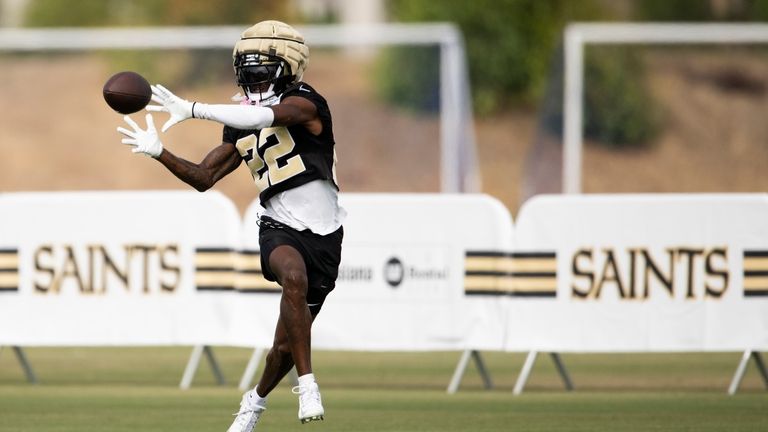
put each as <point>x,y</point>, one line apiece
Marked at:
<point>143,141</point>
<point>179,109</point>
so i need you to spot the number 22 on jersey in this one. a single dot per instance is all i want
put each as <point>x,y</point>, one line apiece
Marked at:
<point>270,161</point>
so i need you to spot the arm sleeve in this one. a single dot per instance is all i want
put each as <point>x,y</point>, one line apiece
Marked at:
<point>236,116</point>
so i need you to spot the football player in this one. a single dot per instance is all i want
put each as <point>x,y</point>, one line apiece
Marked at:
<point>283,132</point>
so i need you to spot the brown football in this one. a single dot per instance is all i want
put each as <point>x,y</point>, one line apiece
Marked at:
<point>127,92</point>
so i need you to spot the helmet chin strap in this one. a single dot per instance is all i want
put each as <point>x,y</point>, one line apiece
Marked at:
<point>265,99</point>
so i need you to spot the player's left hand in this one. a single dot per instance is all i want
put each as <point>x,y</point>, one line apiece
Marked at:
<point>179,109</point>
<point>143,141</point>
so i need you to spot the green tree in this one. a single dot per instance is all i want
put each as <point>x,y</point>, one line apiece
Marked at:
<point>509,43</point>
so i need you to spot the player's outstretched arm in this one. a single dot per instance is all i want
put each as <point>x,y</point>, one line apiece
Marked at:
<point>236,116</point>
<point>219,162</point>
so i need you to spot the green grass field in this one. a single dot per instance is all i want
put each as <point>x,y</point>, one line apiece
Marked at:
<point>136,389</point>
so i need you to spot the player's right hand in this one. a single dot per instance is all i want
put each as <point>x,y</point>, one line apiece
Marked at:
<point>179,109</point>
<point>143,141</point>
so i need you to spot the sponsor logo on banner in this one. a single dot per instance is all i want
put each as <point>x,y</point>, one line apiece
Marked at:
<point>411,271</point>
<point>396,272</point>
<point>98,269</point>
<point>355,273</point>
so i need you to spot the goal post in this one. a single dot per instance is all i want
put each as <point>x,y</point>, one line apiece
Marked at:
<point>579,35</point>
<point>459,171</point>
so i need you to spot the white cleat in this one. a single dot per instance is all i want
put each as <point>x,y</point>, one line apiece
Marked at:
<point>310,404</point>
<point>248,416</point>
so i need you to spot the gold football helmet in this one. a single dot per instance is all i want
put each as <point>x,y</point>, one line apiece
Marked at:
<point>269,57</point>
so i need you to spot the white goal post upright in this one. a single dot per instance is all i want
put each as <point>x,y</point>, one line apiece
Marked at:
<point>459,171</point>
<point>578,35</point>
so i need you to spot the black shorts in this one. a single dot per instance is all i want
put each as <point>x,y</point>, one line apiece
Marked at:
<point>322,256</point>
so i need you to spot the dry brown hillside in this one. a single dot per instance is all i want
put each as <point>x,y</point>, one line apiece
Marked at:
<point>57,134</point>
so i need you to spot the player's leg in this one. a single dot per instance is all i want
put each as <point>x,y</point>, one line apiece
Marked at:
<point>278,363</point>
<point>287,264</point>
<point>291,341</point>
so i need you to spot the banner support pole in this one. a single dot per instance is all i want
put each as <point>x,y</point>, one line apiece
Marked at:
<point>461,367</point>
<point>24,362</point>
<point>194,362</point>
<point>530,360</point>
<point>742,368</point>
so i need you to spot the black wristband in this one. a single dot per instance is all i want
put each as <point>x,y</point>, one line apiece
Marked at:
<point>193,109</point>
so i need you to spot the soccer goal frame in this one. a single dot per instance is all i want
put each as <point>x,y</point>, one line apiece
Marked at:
<point>578,36</point>
<point>459,170</point>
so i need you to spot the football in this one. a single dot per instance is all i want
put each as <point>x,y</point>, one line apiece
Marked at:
<point>127,92</point>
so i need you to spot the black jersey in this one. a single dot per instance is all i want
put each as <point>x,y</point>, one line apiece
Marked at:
<point>284,157</point>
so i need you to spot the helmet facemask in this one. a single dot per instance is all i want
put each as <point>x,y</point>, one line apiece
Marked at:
<point>271,53</point>
<point>263,77</point>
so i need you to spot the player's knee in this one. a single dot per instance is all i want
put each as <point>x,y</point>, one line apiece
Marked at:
<point>294,283</point>
<point>281,349</point>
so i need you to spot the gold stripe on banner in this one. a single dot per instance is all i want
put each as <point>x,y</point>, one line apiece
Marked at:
<point>250,278</point>
<point>215,269</point>
<point>215,280</point>
<point>755,263</point>
<point>510,264</point>
<point>517,274</point>
<point>216,259</point>
<point>756,282</point>
<point>756,273</point>
<point>510,284</point>
<point>249,261</point>
<point>9,280</point>
<point>255,282</point>
<point>487,285</point>
<point>9,270</point>
<point>9,261</point>
<point>221,269</point>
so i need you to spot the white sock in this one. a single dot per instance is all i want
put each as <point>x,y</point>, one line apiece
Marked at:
<point>306,379</point>
<point>256,399</point>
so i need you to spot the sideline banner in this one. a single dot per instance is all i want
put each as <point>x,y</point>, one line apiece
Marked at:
<point>401,281</point>
<point>593,273</point>
<point>114,268</point>
<point>645,273</point>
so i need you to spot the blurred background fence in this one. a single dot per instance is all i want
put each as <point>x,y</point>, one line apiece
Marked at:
<point>656,119</point>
